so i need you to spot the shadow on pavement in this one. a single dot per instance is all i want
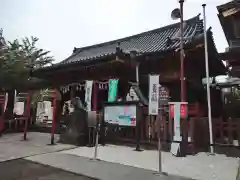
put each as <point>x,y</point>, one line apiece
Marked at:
<point>25,170</point>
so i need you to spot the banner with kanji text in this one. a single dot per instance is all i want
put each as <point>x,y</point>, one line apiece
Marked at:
<point>153,94</point>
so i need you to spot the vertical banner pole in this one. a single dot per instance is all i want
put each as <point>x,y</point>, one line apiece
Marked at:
<point>138,122</point>
<point>95,90</point>
<point>208,84</point>
<point>138,136</point>
<point>182,69</point>
<point>159,142</point>
<point>153,109</point>
<point>27,113</point>
<point>54,95</point>
<point>96,142</point>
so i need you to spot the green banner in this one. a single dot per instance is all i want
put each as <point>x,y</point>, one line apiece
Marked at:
<point>112,90</point>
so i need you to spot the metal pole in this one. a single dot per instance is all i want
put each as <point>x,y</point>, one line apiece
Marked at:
<point>159,142</point>
<point>96,143</point>
<point>27,113</point>
<point>54,95</point>
<point>138,122</point>
<point>208,84</point>
<point>182,73</point>
<point>183,84</point>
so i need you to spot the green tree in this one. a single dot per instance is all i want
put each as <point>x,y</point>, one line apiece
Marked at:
<point>18,58</point>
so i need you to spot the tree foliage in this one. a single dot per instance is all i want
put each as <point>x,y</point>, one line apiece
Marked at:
<point>18,58</point>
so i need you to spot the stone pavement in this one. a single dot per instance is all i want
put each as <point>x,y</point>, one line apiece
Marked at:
<point>200,166</point>
<point>98,169</point>
<point>26,170</point>
<point>13,147</point>
<point>123,162</point>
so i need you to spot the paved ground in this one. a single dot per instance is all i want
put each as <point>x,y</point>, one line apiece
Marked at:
<point>99,169</point>
<point>12,146</point>
<point>27,170</point>
<point>123,162</point>
<point>200,166</point>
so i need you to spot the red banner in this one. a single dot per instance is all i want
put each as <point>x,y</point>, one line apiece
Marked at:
<point>171,110</point>
<point>183,111</point>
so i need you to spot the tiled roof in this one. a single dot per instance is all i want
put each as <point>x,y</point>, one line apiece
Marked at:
<point>156,40</point>
<point>228,5</point>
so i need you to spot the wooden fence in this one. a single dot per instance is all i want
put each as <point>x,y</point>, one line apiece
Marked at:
<point>149,133</point>
<point>226,134</point>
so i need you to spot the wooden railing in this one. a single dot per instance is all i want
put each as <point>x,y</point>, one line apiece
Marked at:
<point>227,131</point>
<point>150,129</point>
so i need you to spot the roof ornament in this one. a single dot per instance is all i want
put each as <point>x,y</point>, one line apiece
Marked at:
<point>168,41</point>
<point>118,49</point>
<point>119,53</point>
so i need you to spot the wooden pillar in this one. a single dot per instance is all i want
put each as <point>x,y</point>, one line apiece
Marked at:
<point>95,94</point>
<point>93,132</point>
<point>72,91</point>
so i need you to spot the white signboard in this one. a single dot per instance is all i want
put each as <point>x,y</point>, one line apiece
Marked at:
<point>123,115</point>
<point>175,146</point>
<point>6,101</point>
<point>153,94</point>
<point>44,112</point>
<point>88,94</point>
<point>19,108</point>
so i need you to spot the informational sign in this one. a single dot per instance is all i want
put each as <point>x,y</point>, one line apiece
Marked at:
<point>163,95</point>
<point>122,115</point>
<point>112,90</point>
<point>153,94</point>
<point>88,95</point>
<point>183,110</point>
<point>175,113</point>
<point>44,112</point>
<point>177,110</point>
<point>19,108</point>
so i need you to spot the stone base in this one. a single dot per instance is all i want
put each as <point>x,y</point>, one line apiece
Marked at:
<point>77,140</point>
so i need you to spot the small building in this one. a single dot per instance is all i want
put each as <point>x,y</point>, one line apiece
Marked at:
<point>229,16</point>
<point>226,132</point>
<point>156,52</point>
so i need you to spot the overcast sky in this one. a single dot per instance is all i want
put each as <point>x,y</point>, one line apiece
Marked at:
<point>62,25</point>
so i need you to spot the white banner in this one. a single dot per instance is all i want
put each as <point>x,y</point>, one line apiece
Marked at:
<point>6,102</point>
<point>88,94</point>
<point>153,94</point>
